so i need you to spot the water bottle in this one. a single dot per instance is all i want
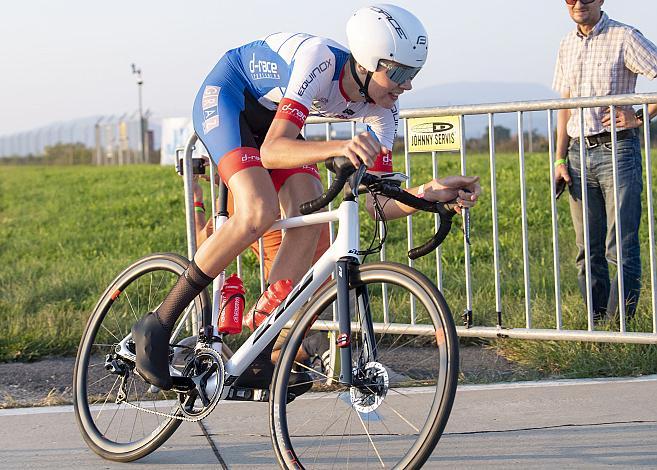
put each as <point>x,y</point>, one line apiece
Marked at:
<point>268,301</point>
<point>232,306</point>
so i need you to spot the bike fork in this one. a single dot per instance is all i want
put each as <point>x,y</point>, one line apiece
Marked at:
<point>362,306</point>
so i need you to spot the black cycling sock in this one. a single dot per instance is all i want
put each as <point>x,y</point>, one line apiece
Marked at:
<point>189,285</point>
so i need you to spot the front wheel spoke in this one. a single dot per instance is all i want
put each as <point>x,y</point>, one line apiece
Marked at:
<point>335,377</point>
<point>370,439</point>
<point>317,412</point>
<point>389,406</point>
<point>346,412</point>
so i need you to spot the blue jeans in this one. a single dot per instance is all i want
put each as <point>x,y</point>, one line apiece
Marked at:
<point>602,223</point>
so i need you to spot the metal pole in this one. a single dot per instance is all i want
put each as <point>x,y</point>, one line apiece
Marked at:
<point>493,197</point>
<point>651,219</point>
<point>619,239</point>
<point>585,219</point>
<point>436,225</point>
<point>409,219</point>
<point>555,226</point>
<point>466,245</point>
<point>140,82</point>
<point>525,236</point>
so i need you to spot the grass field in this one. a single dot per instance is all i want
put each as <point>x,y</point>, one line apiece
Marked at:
<point>65,232</point>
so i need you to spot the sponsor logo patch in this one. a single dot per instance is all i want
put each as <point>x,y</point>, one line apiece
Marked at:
<point>321,68</point>
<point>393,22</point>
<point>292,111</point>
<point>210,105</point>
<point>246,158</point>
<point>263,69</point>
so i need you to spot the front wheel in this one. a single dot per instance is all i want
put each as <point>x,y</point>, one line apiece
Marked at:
<point>412,365</point>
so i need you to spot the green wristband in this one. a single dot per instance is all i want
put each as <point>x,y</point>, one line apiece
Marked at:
<point>199,209</point>
<point>561,161</point>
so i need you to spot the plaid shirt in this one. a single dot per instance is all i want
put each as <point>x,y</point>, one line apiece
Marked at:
<point>606,62</point>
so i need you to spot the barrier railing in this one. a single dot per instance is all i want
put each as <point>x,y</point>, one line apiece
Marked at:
<point>501,330</point>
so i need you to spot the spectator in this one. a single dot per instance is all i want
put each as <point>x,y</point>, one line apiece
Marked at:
<point>603,57</point>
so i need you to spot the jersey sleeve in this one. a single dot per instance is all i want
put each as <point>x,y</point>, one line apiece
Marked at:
<point>312,72</point>
<point>384,126</point>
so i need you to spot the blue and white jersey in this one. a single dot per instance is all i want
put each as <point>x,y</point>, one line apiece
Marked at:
<point>299,75</point>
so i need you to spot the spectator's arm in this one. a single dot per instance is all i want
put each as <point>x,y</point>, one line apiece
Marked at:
<point>561,169</point>
<point>202,227</point>
<point>563,115</point>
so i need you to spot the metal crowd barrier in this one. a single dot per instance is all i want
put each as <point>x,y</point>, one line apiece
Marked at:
<point>490,110</point>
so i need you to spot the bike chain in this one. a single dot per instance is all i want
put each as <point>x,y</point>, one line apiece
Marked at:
<point>182,417</point>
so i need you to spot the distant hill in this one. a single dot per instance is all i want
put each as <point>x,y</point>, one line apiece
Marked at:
<point>452,94</point>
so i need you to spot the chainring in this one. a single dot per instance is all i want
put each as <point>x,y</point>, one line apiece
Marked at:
<point>206,369</point>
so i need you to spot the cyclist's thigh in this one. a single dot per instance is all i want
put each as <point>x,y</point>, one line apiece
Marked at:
<point>296,186</point>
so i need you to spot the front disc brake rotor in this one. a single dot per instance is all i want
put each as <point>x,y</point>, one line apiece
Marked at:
<point>368,398</point>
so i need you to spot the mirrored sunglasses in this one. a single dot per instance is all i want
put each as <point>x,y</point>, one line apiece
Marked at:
<point>399,73</point>
<point>585,2</point>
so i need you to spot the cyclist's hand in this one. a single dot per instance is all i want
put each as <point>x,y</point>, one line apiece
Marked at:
<point>362,148</point>
<point>464,189</point>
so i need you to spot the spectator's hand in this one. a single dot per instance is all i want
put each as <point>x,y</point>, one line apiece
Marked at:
<point>561,173</point>
<point>625,118</point>
<point>362,148</point>
<point>464,189</point>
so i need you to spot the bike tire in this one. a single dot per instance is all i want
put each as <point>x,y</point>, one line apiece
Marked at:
<point>292,447</point>
<point>170,266</point>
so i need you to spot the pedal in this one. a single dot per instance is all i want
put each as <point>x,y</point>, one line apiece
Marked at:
<point>248,394</point>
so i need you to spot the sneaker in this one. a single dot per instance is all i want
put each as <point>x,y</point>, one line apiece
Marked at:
<point>152,351</point>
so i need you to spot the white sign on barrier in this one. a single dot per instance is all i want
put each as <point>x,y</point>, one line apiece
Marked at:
<point>175,133</point>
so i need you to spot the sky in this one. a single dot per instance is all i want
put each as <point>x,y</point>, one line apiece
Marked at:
<point>68,59</point>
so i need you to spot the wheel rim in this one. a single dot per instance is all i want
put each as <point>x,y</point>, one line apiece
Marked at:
<point>118,428</point>
<point>323,429</point>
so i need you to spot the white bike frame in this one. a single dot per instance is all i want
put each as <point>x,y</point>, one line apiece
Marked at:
<point>346,245</point>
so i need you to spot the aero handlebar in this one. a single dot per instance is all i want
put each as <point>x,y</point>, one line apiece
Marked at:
<point>343,169</point>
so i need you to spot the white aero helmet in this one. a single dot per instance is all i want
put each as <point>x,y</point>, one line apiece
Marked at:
<point>387,32</point>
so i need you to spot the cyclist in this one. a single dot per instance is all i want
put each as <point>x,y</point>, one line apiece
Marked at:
<point>249,112</point>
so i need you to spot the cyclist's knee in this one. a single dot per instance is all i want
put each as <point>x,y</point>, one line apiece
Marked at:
<point>257,217</point>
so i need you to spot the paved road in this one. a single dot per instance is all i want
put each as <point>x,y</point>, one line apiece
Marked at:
<point>579,423</point>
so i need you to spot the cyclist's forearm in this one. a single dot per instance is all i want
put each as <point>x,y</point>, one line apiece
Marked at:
<point>391,208</point>
<point>284,152</point>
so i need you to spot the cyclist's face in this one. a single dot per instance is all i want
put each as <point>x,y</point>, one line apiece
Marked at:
<point>385,91</point>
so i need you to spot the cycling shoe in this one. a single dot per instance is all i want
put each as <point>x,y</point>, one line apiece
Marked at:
<point>152,350</point>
